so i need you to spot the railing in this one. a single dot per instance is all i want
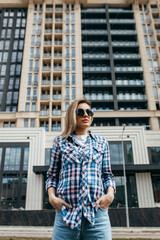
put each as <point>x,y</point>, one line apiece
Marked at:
<point>94,32</point>
<point>45,68</point>
<point>59,9</point>
<point>57,42</point>
<point>123,32</point>
<point>46,55</point>
<point>156,19</point>
<point>47,42</point>
<point>48,19</point>
<point>45,97</point>
<point>154,9</point>
<point>98,96</point>
<point>98,44</point>
<point>58,19</point>
<point>93,10</point>
<point>130,82</point>
<point>124,56</point>
<point>48,30</point>
<point>120,10</point>
<point>56,113</point>
<point>57,55</point>
<point>97,82</point>
<point>49,9</point>
<point>95,56</point>
<point>122,21</point>
<point>96,69</point>
<point>57,97</point>
<point>93,21</point>
<point>118,43</point>
<point>45,82</point>
<point>44,112</point>
<point>58,30</point>
<point>128,69</point>
<point>57,82</point>
<point>132,96</point>
<point>59,68</point>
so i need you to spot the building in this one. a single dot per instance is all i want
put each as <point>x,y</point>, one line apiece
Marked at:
<point>52,52</point>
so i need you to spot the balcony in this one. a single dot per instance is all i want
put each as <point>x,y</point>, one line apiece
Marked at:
<point>96,83</point>
<point>47,43</point>
<point>124,44</point>
<point>45,97</point>
<point>57,97</point>
<point>126,56</point>
<point>46,55</point>
<point>38,43</point>
<point>130,83</point>
<point>59,9</point>
<point>96,69</point>
<point>56,112</point>
<point>45,82</point>
<point>49,20</point>
<point>98,96</point>
<point>49,9</point>
<point>158,31</point>
<point>154,9</point>
<point>115,10</point>
<point>57,82</point>
<point>57,55</point>
<point>46,68</point>
<point>94,32</point>
<point>123,32</point>
<point>58,19</point>
<point>57,68</point>
<point>122,21</point>
<point>131,96</point>
<point>93,10</point>
<point>48,30</point>
<point>94,44</point>
<point>58,30</point>
<point>44,112</point>
<point>95,56</point>
<point>57,42</point>
<point>156,20</point>
<point>128,69</point>
<point>94,21</point>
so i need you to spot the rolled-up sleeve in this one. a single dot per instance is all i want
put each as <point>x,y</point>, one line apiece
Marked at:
<point>107,175</point>
<point>55,165</point>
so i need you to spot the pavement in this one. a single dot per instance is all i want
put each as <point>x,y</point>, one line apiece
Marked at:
<point>46,232</point>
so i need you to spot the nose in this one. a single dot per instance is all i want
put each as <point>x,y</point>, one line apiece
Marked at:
<point>85,114</point>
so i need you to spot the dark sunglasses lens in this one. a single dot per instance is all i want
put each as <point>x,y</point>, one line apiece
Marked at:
<point>80,112</point>
<point>89,112</point>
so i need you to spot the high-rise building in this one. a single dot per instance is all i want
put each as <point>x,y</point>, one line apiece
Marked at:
<point>53,52</point>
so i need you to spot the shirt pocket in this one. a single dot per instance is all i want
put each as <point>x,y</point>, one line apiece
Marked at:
<point>70,156</point>
<point>97,155</point>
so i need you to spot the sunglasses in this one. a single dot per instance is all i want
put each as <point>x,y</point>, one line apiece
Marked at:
<point>80,112</point>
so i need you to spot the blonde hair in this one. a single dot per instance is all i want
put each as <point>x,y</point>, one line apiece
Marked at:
<point>70,118</point>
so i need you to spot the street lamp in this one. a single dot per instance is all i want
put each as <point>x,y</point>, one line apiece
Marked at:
<point>125,180</point>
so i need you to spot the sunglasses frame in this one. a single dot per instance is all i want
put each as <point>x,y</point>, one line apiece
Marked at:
<point>88,111</point>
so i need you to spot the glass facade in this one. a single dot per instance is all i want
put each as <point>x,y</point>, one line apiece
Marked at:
<point>156,188</point>
<point>12,34</point>
<point>13,174</point>
<point>154,155</point>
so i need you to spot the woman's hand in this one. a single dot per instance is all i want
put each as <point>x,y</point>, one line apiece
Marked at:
<point>106,199</point>
<point>55,201</point>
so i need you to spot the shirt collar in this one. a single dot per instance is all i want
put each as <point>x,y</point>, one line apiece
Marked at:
<point>89,133</point>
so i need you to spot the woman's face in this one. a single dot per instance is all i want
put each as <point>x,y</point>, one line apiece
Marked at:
<point>83,121</point>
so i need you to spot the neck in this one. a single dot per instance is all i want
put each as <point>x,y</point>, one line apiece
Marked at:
<point>81,131</point>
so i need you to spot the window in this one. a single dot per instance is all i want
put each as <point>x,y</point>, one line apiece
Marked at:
<point>14,56</point>
<point>67,52</point>
<point>67,65</point>
<point>1,95</point>
<point>116,152</point>
<point>6,124</point>
<point>32,122</point>
<point>12,124</point>
<point>156,187</point>
<point>67,17</point>
<point>146,40</point>
<point>73,65</point>
<point>33,107</point>
<point>34,93</point>
<point>30,65</point>
<point>150,64</point>
<point>67,94</point>
<point>7,44</point>
<point>32,53</point>
<point>73,52</point>
<point>18,69</point>
<point>73,39</point>
<point>155,93</point>
<point>37,52</point>
<point>2,80</point>
<point>73,93</point>
<point>20,57</point>
<point>73,79</point>
<point>144,28</point>
<point>154,155</point>
<point>26,157</point>
<point>8,33</point>
<point>5,57</point>
<point>72,17</point>
<point>158,78</point>
<point>67,79</point>
<point>148,52</point>
<point>66,105</point>
<point>67,28</point>
<point>35,79</point>
<point>21,42</point>
<point>1,44</point>
<point>3,70</point>
<point>9,98</point>
<point>28,93</point>
<point>27,107</point>
<point>29,78</point>
<point>72,28</point>
<point>47,156</point>
<point>25,122</point>
<point>33,39</point>
<point>12,159</point>
<point>10,22</point>
<point>67,40</point>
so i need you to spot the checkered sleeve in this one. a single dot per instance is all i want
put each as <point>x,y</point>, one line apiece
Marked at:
<point>55,165</point>
<point>107,175</point>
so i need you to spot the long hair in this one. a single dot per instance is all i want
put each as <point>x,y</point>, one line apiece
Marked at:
<point>70,118</point>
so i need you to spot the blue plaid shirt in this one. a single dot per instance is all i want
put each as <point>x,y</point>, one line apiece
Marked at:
<point>80,175</point>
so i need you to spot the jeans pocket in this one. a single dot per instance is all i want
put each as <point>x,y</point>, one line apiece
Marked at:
<point>106,209</point>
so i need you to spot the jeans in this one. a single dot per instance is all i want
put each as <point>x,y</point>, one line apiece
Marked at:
<point>100,231</point>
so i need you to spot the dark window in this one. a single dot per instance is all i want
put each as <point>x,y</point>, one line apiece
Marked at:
<point>156,188</point>
<point>116,152</point>
<point>154,155</point>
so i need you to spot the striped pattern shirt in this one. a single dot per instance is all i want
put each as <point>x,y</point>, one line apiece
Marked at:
<point>80,175</point>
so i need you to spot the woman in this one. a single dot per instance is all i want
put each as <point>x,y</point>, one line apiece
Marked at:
<point>79,181</point>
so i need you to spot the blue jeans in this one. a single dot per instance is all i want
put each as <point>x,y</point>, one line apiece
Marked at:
<point>100,231</point>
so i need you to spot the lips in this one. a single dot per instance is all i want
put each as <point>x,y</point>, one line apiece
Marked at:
<point>85,120</point>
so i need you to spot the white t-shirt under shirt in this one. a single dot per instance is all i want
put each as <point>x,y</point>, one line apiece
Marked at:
<point>80,139</point>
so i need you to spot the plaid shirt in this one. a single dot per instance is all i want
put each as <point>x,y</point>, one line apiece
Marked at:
<point>80,175</point>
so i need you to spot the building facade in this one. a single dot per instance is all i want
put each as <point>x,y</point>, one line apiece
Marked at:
<point>53,52</point>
